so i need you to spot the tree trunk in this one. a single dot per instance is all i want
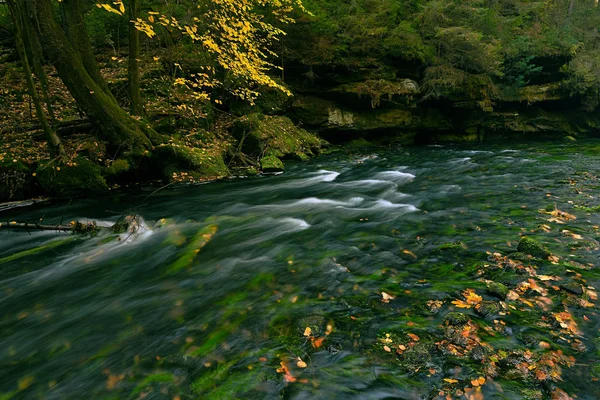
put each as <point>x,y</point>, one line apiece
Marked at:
<point>36,55</point>
<point>77,34</point>
<point>137,107</point>
<point>17,14</point>
<point>571,7</point>
<point>118,127</point>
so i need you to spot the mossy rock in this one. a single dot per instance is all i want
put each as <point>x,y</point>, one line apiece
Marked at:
<point>316,323</point>
<point>417,357</point>
<point>15,180</point>
<point>497,289</point>
<point>456,318</point>
<point>198,163</point>
<point>118,167</point>
<point>532,247</point>
<point>79,176</point>
<point>486,308</point>
<point>519,256</point>
<point>274,136</point>
<point>271,164</point>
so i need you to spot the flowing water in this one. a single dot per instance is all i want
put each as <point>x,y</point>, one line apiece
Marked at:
<point>215,302</point>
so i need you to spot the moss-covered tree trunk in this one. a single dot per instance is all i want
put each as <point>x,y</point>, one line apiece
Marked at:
<point>35,53</point>
<point>77,34</point>
<point>118,126</point>
<point>137,107</point>
<point>17,13</point>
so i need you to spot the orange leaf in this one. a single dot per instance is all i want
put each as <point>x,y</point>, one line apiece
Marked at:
<point>414,337</point>
<point>318,342</point>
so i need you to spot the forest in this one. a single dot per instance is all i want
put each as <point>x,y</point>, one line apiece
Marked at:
<point>255,199</point>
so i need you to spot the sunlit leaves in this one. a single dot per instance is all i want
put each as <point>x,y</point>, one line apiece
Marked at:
<point>470,299</point>
<point>119,10</point>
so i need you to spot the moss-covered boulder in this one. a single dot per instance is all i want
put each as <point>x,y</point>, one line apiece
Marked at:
<point>178,162</point>
<point>76,177</point>
<point>271,164</point>
<point>274,136</point>
<point>532,247</point>
<point>118,167</point>
<point>15,179</point>
<point>497,289</point>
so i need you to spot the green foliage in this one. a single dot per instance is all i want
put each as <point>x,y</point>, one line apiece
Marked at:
<point>583,78</point>
<point>518,70</point>
<point>106,29</point>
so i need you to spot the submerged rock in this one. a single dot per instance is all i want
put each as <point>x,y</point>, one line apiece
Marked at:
<point>531,246</point>
<point>572,287</point>
<point>456,318</point>
<point>497,289</point>
<point>486,308</point>
<point>316,323</point>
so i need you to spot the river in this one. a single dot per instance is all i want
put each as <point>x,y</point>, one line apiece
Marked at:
<point>320,283</point>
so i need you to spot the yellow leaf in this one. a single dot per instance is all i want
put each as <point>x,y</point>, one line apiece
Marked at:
<point>301,364</point>
<point>307,331</point>
<point>450,380</point>
<point>386,297</point>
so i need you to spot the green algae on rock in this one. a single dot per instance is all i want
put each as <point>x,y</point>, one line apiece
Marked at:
<point>531,246</point>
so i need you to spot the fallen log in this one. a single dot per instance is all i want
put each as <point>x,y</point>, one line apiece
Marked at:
<point>75,226</point>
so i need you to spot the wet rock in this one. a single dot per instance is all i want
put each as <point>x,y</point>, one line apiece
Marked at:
<point>417,357</point>
<point>486,308</point>
<point>519,256</point>
<point>456,318</point>
<point>531,246</point>
<point>316,323</point>
<point>480,353</point>
<point>497,289</point>
<point>572,287</point>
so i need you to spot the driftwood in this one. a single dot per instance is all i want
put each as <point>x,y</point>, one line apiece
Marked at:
<point>21,203</point>
<point>75,226</point>
<point>128,223</point>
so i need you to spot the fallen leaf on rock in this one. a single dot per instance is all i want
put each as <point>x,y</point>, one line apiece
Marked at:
<point>386,297</point>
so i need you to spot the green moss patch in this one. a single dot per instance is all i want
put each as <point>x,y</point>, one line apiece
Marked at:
<point>78,176</point>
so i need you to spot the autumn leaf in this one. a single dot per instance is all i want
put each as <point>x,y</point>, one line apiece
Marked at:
<point>478,382</point>
<point>288,377</point>
<point>301,364</point>
<point>307,331</point>
<point>413,337</point>
<point>461,304</point>
<point>450,380</point>
<point>471,297</point>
